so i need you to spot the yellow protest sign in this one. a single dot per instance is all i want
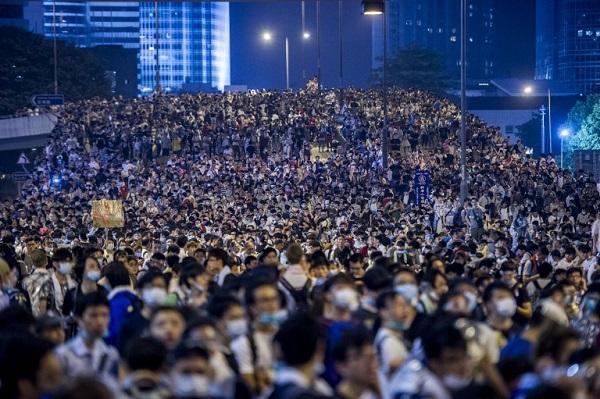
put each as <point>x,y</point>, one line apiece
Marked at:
<point>108,213</point>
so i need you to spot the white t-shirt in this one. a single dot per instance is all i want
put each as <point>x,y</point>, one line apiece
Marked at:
<point>264,355</point>
<point>390,349</point>
<point>596,233</point>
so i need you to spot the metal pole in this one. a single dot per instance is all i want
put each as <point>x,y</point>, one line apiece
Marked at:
<point>463,108</point>
<point>550,135</point>
<point>384,149</point>
<point>54,47</point>
<point>287,64</point>
<point>340,37</point>
<point>543,114</point>
<point>319,45</point>
<point>156,45</point>
<point>561,151</point>
<point>303,39</point>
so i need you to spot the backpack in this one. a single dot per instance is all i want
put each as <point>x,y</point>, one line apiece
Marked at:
<point>300,296</point>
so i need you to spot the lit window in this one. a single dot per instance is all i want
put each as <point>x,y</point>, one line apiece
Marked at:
<point>588,33</point>
<point>471,39</point>
<point>418,22</point>
<point>452,38</point>
<point>429,30</point>
<point>580,33</point>
<point>440,30</point>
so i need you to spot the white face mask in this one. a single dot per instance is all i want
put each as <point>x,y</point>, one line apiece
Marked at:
<point>410,292</point>
<point>454,382</point>
<point>506,307</point>
<point>65,267</point>
<point>190,385</point>
<point>471,299</point>
<point>346,298</point>
<point>154,296</point>
<point>94,275</point>
<point>236,328</point>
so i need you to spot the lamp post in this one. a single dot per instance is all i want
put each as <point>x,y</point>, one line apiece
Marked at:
<point>267,37</point>
<point>464,185</point>
<point>527,90</point>
<point>375,7</point>
<point>564,133</point>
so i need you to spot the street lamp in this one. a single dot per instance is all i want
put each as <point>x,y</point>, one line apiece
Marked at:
<point>373,7</point>
<point>564,133</point>
<point>378,8</point>
<point>268,37</point>
<point>306,35</point>
<point>528,90</point>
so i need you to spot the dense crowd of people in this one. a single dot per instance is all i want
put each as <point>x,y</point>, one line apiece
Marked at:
<point>267,253</point>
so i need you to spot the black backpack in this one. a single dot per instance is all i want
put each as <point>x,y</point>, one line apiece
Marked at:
<point>300,296</point>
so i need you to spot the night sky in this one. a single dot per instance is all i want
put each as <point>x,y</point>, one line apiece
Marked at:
<point>258,64</point>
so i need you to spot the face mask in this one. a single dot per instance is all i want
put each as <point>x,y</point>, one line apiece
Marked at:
<point>93,276</point>
<point>272,319</point>
<point>65,267</point>
<point>471,299</point>
<point>454,382</point>
<point>398,325</point>
<point>506,307</point>
<point>190,385</point>
<point>154,296</point>
<point>346,298</point>
<point>410,292</point>
<point>236,328</point>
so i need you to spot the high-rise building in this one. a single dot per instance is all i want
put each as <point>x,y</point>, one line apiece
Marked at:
<point>193,37</point>
<point>435,24</point>
<point>193,45</point>
<point>568,42</point>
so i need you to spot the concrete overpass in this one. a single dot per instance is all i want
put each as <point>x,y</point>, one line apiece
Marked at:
<point>26,132</point>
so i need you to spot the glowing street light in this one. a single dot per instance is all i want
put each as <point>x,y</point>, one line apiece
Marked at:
<point>528,90</point>
<point>267,36</point>
<point>306,35</point>
<point>373,7</point>
<point>564,133</point>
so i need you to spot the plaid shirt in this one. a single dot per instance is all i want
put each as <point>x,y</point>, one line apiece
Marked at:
<point>40,288</point>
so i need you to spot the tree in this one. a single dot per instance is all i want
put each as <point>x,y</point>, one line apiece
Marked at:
<point>415,67</point>
<point>26,68</point>
<point>584,123</point>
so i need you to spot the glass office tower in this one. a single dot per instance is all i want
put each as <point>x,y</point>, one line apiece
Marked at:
<point>568,42</point>
<point>192,46</point>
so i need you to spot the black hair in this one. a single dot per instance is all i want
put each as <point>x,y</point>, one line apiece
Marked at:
<point>188,349</point>
<point>145,353</point>
<point>61,254</point>
<point>377,278</point>
<point>442,336</point>
<point>265,253</point>
<point>340,278</point>
<point>298,338</point>
<point>545,269</point>
<point>218,253</point>
<point>116,273</point>
<point>166,308</point>
<point>21,357</point>
<point>190,271</point>
<point>355,337</point>
<point>92,299</point>
<point>489,290</point>
<point>249,259</point>
<point>221,303</point>
<point>148,277</point>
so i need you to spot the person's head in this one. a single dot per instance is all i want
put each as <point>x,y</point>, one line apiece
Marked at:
<point>508,270</point>
<point>356,266</point>
<point>152,288</point>
<point>167,324</point>
<point>229,315</point>
<point>191,371</point>
<point>50,328</point>
<point>39,258</point>
<point>250,262</point>
<point>91,269</point>
<point>557,344</point>
<point>294,254</point>
<point>437,282</point>
<point>145,353</point>
<point>63,260</point>
<point>575,276</point>
<point>194,280</point>
<point>215,261</point>
<point>117,275</point>
<point>445,351</point>
<point>499,301</point>
<point>355,357</point>
<point>29,368</point>
<point>396,310</point>
<point>300,341</point>
<point>264,303</point>
<point>340,293</point>
<point>92,312</point>
<point>589,303</point>
<point>269,257</point>
<point>545,269</point>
